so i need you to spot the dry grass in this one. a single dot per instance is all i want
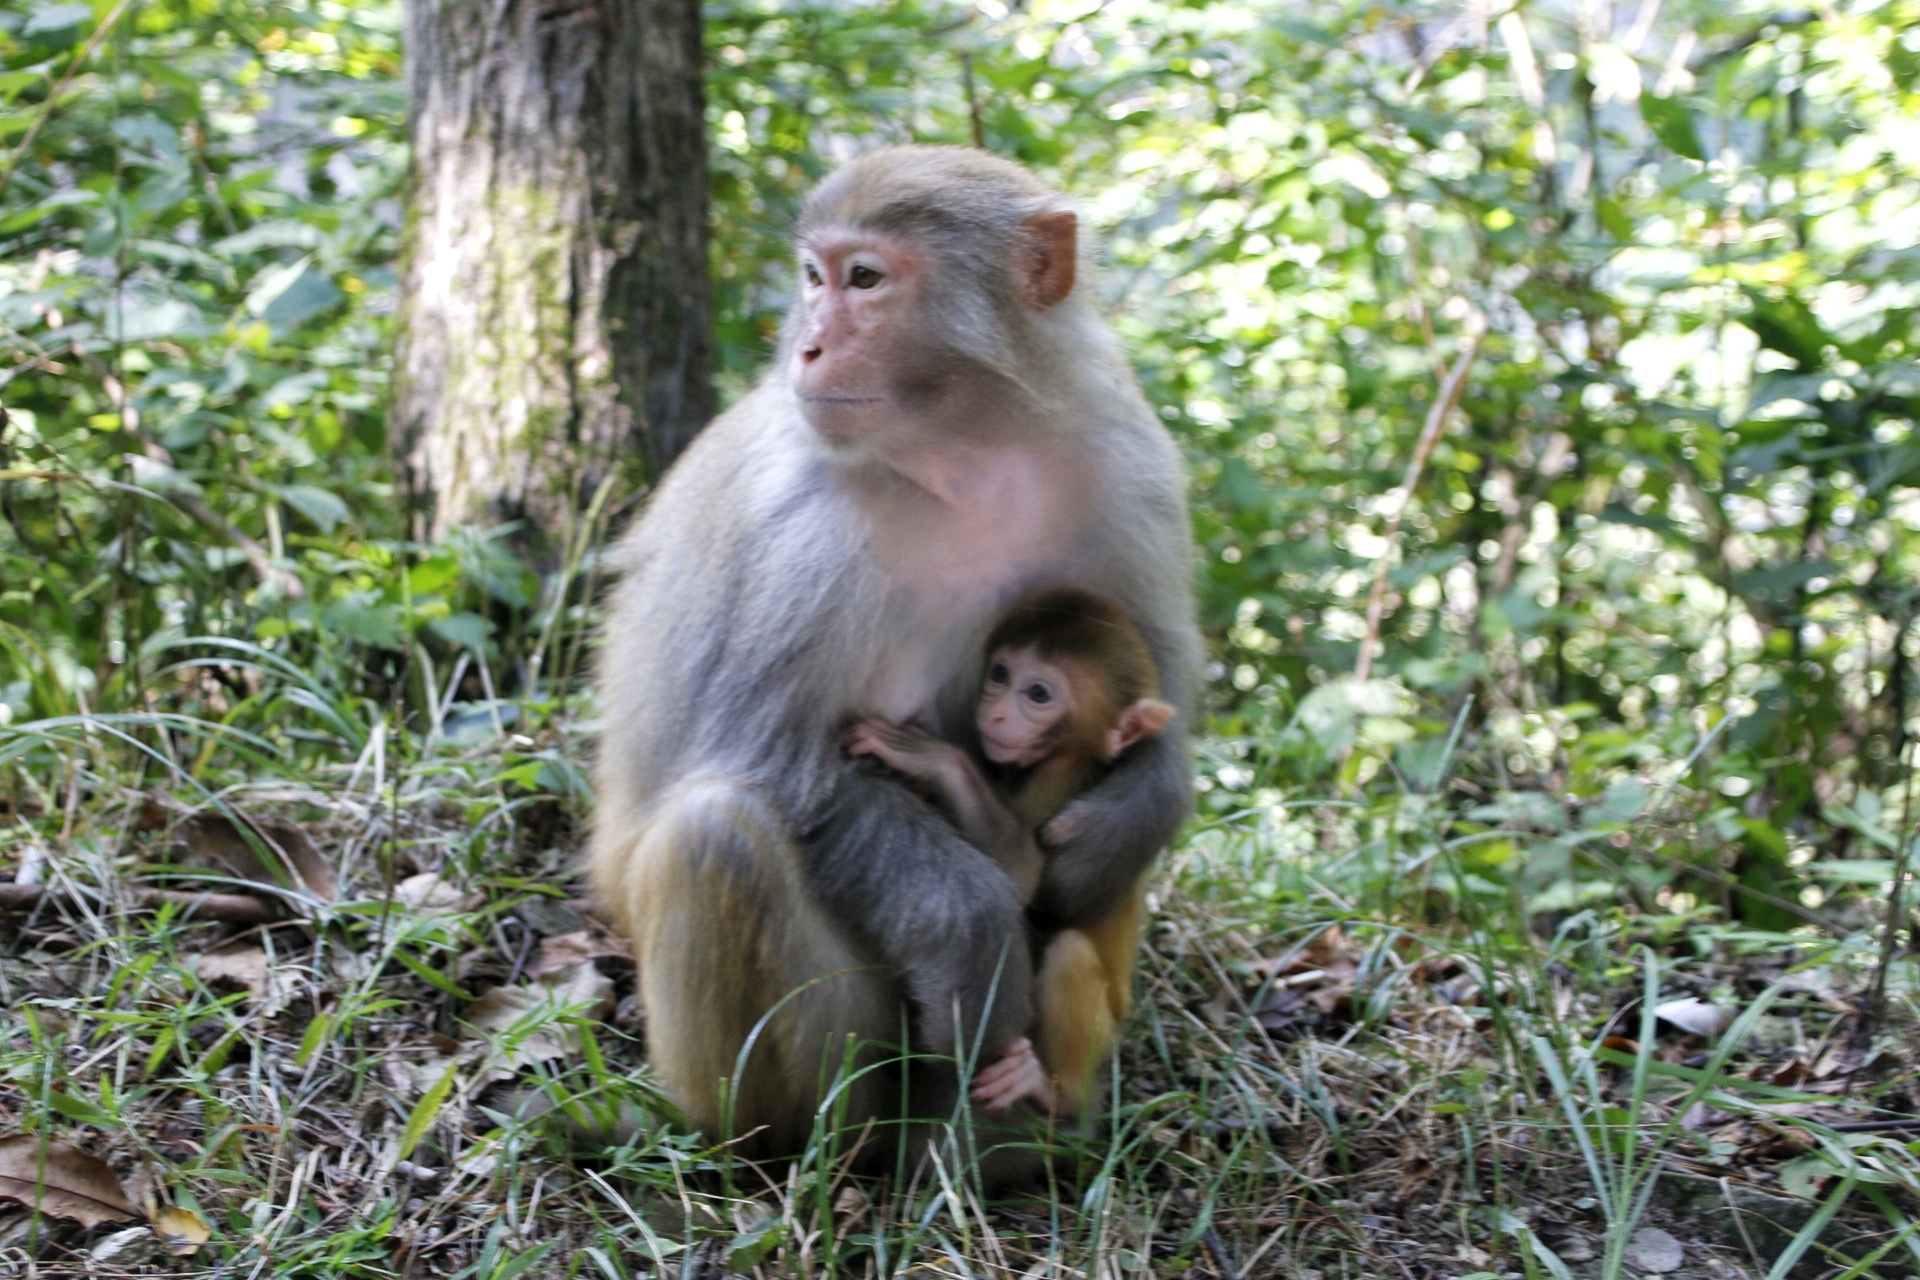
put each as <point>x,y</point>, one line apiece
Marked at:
<point>1327,1075</point>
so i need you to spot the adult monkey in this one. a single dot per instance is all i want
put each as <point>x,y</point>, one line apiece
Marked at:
<point>947,426</point>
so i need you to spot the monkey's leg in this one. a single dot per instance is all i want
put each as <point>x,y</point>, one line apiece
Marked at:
<point>1117,941</point>
<point>1076,1017</point>
<point>726,929</point>
<point>1086,992</point>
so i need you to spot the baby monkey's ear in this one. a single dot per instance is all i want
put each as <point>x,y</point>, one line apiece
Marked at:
<point>1144,719</point>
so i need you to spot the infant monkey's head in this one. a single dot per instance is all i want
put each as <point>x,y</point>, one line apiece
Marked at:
<point>1067,674</point>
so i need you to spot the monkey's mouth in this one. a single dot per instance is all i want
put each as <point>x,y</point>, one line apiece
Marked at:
<point>1002,753</point>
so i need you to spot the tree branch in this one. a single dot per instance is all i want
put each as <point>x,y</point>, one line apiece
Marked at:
<point>1443,406</point>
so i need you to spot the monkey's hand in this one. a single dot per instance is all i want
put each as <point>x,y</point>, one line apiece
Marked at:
<point>904,748</point>
<point>1099,844</point>
<point>1018,1076</point>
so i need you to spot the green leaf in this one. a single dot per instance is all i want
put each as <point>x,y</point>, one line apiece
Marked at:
<point>369,622</point>
<point>1777,582</point>
<point>431,976</point>
<point>1672,123</point>
<point>751,1247</point>
<point>286,296</point>
<point>315,503</point>
<point>424,1111</point>
<point>1613,216</point>
<point>315,1036</point>
<point>74,1107</point>
<point>468,630</point>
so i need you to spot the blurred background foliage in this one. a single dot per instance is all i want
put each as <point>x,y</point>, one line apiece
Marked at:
<point>1648,612</point>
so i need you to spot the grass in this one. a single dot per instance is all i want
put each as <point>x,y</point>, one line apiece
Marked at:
<point>1362,1048</point>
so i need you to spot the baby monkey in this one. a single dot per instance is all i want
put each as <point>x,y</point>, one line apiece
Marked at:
<point>1069,687</point>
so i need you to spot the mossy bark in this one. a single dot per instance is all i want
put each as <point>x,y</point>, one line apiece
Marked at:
<point>556,311</point>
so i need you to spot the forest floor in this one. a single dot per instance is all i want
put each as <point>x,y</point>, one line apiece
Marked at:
<point>1328,1075</point>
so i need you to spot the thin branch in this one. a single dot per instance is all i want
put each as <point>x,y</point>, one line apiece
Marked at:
<point>263,562</point>
<point>973,100</point>
<point>1897,900</point>
<point>1443,406</point>
<point>46,112</point>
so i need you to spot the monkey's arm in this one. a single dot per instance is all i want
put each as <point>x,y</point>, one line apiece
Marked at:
<point>957,786</point>
<point>932,906</point>
<point>1103,841</point>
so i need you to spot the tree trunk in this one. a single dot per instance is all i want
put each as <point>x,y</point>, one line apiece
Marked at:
<point>556,311</point>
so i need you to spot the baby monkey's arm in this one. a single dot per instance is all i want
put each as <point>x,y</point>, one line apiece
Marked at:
<point>955,783</point>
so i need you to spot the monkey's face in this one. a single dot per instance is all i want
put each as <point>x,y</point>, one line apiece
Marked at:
<point>1026,704</point>
<point>860,356</point>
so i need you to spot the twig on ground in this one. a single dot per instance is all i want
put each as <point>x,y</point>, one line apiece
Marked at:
<point>1215,1247</point>
<point>224,908</point>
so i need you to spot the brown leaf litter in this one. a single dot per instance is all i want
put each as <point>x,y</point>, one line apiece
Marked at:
<point>62,1181</point>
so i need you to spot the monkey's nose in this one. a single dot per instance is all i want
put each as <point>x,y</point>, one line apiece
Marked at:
<point>810,353</point>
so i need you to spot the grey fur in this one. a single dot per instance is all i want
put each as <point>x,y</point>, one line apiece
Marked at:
<point>754,613</point>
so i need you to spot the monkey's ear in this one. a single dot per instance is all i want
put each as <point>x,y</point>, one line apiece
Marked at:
<point>1144,719</point>
<point>1053,257</point>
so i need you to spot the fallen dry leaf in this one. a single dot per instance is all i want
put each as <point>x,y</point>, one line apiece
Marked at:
<point>566,950</point>
<point>1655,1251</point>
<point>500,1009</point>
<point>582,987</point>
<point>181,1231</point>
<point>430,894</point>
<point>1695,1017</point>
<point>215,841</point>
<point>247,967</point>
<point>64,1181</point>
<point>130,1247</point>
<point>1323,972</point>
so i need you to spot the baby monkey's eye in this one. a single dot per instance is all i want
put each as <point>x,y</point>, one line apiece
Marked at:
<point>998,673</point>
<point>813,274</point>
<point>1040,694</point>
<point>863,276</point>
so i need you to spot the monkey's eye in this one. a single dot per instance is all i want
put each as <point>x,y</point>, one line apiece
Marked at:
<point>998,673</point>
<point>813,275</point>
<point>863,276</point>
<point>1039,694</point>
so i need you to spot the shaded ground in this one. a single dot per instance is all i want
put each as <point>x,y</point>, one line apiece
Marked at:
<point>1308,1089</point>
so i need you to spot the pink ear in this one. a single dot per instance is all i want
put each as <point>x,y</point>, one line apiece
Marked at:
<point>1144,719</point>
<point>1054,257</point>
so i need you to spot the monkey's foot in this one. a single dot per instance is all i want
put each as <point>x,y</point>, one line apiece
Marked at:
<point>1018,1076</point>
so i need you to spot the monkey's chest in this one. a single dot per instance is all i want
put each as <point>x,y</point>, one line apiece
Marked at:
<point>952,570</point>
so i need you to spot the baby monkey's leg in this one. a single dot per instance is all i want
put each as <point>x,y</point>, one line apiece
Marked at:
<point>1084,993</point>
<point>1076,1018</point>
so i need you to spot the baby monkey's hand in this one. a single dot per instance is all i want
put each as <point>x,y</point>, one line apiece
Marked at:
<point>1018,1076</point>
<point>905,748</point>
<point>899,746</point>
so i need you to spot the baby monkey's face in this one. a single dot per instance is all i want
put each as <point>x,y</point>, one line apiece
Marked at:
<point>1024,704</point>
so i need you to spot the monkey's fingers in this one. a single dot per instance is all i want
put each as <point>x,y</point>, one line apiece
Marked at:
<point>870,739</point>
<point>1000,1095</point>
<point>1015,1076</point>
<point>1061,828</point>
<point>1026,1081</point>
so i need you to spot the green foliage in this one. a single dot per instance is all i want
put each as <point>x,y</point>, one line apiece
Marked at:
<point>1682,493</point>
<point>1648,614</point>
